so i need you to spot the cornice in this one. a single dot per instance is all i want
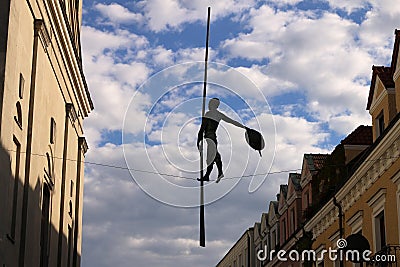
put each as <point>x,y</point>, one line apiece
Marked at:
<point>396,74</point>
<point>379,99</point>
<point>83,144</point>
<point>373,167</point>
<point>43,34</point>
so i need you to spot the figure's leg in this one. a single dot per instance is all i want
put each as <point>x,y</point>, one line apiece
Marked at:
<point>210,158</point>
<point>218,162</point>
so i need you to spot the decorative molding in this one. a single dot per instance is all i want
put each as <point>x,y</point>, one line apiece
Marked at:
<point>71,113</point>
<point>356,147</point>
<point>83,144</point>
<point>396,74</point>
<point>375,103</point>
<point>377,200</point>
<point>355,221</point>
<point>379,160</point>
<point>396,178</point>
<point>42,32</point>
<point>335,236</point>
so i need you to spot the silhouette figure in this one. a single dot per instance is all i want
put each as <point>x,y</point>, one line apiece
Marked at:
<point>208,130</point>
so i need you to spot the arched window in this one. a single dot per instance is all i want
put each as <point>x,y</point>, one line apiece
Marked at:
<point>49,166</point>
<point>70,209</point>
<point>49,170</point>
<point>18,117</point>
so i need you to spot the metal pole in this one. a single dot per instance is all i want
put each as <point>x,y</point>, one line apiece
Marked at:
<point>202,224</point>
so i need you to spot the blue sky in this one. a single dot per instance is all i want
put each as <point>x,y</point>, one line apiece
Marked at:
<point>298,71</point>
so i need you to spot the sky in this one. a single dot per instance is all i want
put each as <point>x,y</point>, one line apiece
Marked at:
<point>297,71</point>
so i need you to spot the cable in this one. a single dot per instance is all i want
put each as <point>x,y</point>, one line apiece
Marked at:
<point>183,177</point>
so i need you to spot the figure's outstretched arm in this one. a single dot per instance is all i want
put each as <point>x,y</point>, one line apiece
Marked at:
<point>231,121</point>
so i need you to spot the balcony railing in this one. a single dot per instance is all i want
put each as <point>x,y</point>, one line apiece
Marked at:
<point>389,256</point>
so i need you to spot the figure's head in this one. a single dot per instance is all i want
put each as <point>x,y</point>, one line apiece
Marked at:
<point>213,104</point>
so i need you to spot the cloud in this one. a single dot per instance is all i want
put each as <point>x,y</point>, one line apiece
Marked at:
<point>164,15</point>
<point>118,14</point>
<point>348,6</point>
<point>142,229</point>
<point>95,42</point>
<point>315,54</point>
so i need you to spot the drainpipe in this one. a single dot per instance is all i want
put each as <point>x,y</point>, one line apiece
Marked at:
<point>336,203</point>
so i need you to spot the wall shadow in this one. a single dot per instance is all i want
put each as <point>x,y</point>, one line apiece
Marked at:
<point>41,247</point>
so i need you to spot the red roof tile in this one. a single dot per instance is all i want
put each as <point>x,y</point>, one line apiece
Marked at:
<point>360,136</point>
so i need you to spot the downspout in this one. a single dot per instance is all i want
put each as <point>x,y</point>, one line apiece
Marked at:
<point>38,24</point>
<point>337,204</point>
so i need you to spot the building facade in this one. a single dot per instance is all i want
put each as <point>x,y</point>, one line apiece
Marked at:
<point>368,203</point>
<point>353,193</point>
<point>44,99</point>
<point>242,254</point>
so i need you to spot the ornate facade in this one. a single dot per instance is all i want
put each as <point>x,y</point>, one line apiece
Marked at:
<point>354,191</point>
<point>44,99</point>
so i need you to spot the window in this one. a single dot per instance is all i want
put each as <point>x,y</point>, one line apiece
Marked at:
<point>70,209</point>
<point>380,232</point>
<point>377,203</point>
<point>240,260</point>
<point>18,118</point>
<point>16,166</point>
<point>49,166</point>
<point>21,86</point>
<point>356,222</point>
<point>283,230</point>
<point>234,263</point>
<point>305,200</point>
<point>52,131</point>
<point>380,124</point>
<point>292,221</point>
<point>71,189</point>
<point>273,239</point>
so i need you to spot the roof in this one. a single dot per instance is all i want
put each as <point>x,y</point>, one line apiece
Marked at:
<point>360,136</point>
<point>395,50</point>
<point>275,204</point>
<point>385,75</point>
<point>315,161</point>
<point>295,178</point>
<point>250,230</point>
<point>284,189</point>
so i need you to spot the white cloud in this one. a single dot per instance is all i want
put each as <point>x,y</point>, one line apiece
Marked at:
<point>318,55</point>
<point>322,56</point>
<point>348,6</point>
<point>141,229</point>
<point>172,14</point>
<point>118,14</point>
<point>95,41</point>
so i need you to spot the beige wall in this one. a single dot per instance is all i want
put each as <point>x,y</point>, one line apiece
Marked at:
<point>242,249</point>
<point>373,183</point>
<point>37,49</point>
